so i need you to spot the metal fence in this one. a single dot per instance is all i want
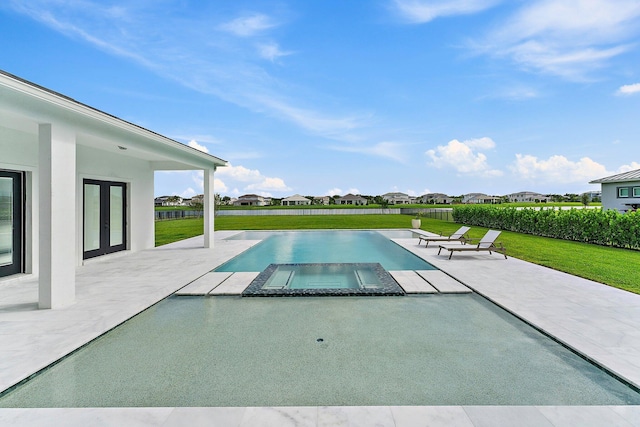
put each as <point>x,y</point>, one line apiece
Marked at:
<point>177,214</point>
<point>444,214</point>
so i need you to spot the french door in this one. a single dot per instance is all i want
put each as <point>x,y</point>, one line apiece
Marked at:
<point>104,217</point>
<point>11,222</point>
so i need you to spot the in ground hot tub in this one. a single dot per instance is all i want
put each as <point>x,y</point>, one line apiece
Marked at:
<point>323,279</point>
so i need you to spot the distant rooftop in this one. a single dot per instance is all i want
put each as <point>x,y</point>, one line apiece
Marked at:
<point>633,175</point>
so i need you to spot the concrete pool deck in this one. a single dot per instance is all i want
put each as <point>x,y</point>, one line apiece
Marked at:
<point>597,321</point>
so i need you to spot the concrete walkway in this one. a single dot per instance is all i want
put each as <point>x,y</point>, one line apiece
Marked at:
<point>598,321</point>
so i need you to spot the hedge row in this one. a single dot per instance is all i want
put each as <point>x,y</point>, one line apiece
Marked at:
<point>601,227</point>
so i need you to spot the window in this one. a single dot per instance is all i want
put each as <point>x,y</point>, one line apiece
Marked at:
<point>636,191</point>
<point>623,192</point>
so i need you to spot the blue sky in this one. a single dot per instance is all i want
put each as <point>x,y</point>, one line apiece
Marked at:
<point>330,97</point>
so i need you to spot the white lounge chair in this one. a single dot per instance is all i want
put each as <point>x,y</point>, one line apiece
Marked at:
<point>458,235</point>
<point>486,243</point>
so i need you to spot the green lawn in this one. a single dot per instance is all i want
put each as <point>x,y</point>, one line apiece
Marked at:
<point>612,266</point>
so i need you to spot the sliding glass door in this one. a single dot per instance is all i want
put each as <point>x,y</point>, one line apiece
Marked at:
<point>104,217</point>
<point>11,223</point>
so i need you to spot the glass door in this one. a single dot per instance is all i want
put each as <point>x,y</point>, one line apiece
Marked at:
<point>11,223</point>
<point>104,217</point>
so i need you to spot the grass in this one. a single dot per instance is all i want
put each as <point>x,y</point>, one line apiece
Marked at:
<point>611,266</point>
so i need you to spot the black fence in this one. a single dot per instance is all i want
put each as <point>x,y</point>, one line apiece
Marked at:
<point>177,214</point>
<point>444,214</point>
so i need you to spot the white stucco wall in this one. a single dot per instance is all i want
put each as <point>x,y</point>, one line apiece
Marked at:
<point>20,153</point>
<point>138,174</point>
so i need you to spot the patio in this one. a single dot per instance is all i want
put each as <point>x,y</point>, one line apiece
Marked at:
<point>595,320</point>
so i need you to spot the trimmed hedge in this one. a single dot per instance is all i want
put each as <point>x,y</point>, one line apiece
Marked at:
<point>600,227</point>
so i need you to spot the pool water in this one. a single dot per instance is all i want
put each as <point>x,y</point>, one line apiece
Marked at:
<point>231,351</point>
<point>346,246</point>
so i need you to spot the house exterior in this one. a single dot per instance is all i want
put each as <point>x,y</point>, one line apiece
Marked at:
<point>397,198</point>
<point>296,200</point>
<point>251,200</point>
<point>351,199</point>
<point>620,192</point>
<point>169,201</point>
<point>77,184</point>
<point>321,200</point>
<point>197,200</point>
<point>436,199</point>
<point>527,197</point>
<point>479,198</point>
<point>593,195</point>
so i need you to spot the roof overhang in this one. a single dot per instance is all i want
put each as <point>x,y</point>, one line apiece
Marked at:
<point>23,105</point>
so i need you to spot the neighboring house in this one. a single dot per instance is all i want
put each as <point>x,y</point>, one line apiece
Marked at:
<point>295,200</point>
<point>197,200</point>
<point>436,199</point>
<point>80,183</point>
<point>479,198</point>
<point>351,199</point>
<point>593,196</point>
<point>321,200</point>
<point>169,201</point>
<point>251,200</point>
<point>621,191</point>
<point>527,197</point>
<point>397,198</point>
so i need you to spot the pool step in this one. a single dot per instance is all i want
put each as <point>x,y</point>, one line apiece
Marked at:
<point>428,282</point>
<point>413,282</point>
<point>444,283</point>
<point>203,285</point>
<point>235,284</point>
<point>218,283</point>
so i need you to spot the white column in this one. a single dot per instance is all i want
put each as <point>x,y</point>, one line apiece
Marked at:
<point>57,219</point>
<point>209,206</point>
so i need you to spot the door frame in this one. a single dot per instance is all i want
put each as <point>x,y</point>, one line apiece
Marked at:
<point>105,204</point>
<point>18,235</point>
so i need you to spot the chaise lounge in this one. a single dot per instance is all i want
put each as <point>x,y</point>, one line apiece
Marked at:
<point>486,243</point>
<point>458,235</point>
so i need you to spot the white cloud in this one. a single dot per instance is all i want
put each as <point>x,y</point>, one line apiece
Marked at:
<point>557,169</point>
<point>222,66</point>
<point>272,51</point>
<point>219,186</point>
<point>188,193</point>
<point>339,192</point>
<point>247,26</point>
<point>629,89</point>
<point>569,38</point>
<point>421,11</point>
<point>194,144</point>
<point>630,167</point>
<point>253,179</point>
<point>269,184</point>
<point>464,157</point>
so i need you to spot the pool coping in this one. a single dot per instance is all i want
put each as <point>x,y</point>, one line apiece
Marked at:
<point>595,320</point>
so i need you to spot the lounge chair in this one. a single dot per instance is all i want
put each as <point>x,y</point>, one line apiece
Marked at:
<point>458,235</point>
<point>486,243</point>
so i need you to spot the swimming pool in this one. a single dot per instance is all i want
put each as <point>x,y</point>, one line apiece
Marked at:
<point>344,246</point>
<point>229,351</point>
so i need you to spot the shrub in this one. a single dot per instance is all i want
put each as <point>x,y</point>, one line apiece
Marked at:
<point>601,227</point>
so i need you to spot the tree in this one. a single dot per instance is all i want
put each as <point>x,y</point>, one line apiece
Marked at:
<point>585,199</point>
